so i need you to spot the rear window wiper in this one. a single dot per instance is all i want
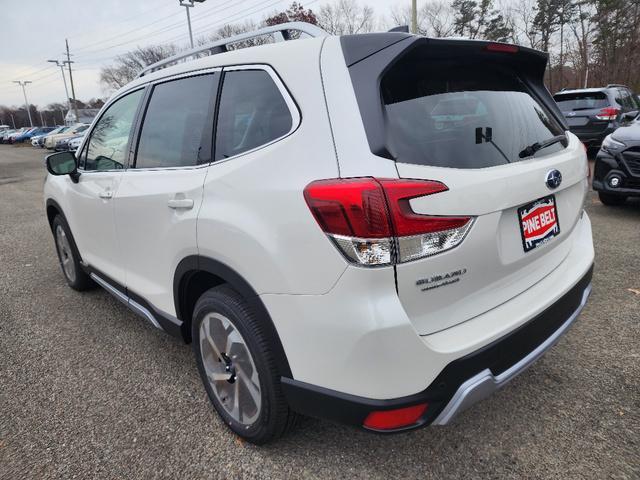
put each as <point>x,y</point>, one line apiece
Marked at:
<point>536,147</point>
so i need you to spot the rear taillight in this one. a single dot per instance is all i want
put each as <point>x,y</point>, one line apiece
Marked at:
<point>372,223</point>
<point>609,113</point>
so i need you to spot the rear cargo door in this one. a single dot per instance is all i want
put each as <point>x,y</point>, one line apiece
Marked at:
<point>479,122</point>
<point>586,113</point>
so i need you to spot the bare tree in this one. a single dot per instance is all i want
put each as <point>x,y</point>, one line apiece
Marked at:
<point>435,18</point>
<point>127,66</point>
<point>440,18</point>
<point>346,17</point>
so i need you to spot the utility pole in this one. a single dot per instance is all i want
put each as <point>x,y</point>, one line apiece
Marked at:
<point>187,4</point>
<point>68,61</point>
<point>13,121</point>
<point>26,102</point>
<point>414,16</point>
<point>41,119</point>
<point>64,79</point>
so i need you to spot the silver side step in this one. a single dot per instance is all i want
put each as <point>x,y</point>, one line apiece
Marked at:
<point>279,32</point>
<point>485,383</point>
<point>133,305</point>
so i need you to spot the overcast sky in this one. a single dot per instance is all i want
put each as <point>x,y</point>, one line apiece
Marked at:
<point>34,31</point>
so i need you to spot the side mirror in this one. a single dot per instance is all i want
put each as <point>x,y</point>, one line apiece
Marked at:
<point>63,163</point>
<point>629,116</point>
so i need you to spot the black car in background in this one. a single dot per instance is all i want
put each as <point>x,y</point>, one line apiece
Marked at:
<point>594,113</point>
<point>616,173</point>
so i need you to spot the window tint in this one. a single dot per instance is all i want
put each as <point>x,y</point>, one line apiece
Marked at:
<point>178,123</point>
<point>581,101</point>
<point>252,113</point>
<point>449,114</point>
<point>107,148</point>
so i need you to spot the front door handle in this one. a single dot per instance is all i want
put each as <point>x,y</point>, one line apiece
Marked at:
<point>180,203</point>
<point>106,194</point>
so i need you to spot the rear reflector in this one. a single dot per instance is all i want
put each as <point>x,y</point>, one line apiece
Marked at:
<point>371,221</point>
<point>393,419</point>
<point>609,113</point>
<point>502,47</point>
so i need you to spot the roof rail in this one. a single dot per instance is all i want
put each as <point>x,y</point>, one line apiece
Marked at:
<point>611,85</point>
<point>280,32</point>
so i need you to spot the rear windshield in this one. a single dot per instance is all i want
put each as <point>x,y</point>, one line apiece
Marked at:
<point>453,114</point>
<point>581,101</point>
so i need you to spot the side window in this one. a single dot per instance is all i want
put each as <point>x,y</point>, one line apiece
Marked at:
<point>107,147</point>
<point>252,113</point>
<point>630,100</point>
<point>624,99</point>
<point>176,131</point>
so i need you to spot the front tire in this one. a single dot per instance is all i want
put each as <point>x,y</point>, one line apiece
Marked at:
<point>611,200</point>
<point>238,367</point>
<point>69,257</point>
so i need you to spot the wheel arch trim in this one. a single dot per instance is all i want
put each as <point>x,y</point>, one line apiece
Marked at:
<point>197,263</point>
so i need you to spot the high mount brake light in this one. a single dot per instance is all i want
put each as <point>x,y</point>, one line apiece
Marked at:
<point>502,48</point>
<point>608,113</point>
<point>372,223</point>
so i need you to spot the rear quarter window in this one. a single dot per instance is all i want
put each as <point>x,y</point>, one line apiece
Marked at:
<point>252,113</point>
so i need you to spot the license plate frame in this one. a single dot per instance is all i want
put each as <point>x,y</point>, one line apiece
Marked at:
<point>539,222</point>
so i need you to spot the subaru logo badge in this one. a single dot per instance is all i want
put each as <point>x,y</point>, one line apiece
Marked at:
<point>554,179</point>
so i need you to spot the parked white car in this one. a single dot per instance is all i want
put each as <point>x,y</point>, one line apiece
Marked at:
<point>50,140</point>
<point>375,229</point>
<point>38,140</point>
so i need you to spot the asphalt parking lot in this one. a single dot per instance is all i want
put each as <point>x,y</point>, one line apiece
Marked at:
<point>89,390</point>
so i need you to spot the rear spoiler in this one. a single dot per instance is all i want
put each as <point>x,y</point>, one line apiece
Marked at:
<point>370,56</point>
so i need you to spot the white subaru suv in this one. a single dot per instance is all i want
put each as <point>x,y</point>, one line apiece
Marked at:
<point>375,229</point>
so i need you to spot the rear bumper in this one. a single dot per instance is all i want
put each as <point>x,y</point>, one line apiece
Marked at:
<point>463,381</point>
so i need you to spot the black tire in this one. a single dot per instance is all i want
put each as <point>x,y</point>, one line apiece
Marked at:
<point>274,417</point>
<point>612,200</point>
<point>79,280</point>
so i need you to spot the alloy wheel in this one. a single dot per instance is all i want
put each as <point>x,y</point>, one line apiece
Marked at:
<point>230,369</point>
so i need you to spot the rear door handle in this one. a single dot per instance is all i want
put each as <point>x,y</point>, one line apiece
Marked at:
<point>106,194</point>
<point>180,203</point>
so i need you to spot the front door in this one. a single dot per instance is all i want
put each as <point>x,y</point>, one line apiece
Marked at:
<point>101,166</point>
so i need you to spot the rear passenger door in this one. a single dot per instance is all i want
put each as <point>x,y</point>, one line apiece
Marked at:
<point>159,196</point>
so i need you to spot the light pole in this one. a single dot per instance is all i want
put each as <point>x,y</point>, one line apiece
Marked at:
<point>26,102</point>
<point>187,4</point>
<point>64,79</point>
<point>414,17</point>
<point>587,47</point>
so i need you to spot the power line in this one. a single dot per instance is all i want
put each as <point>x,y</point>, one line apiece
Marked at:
<point>166,28</point>
<point>220,22</point>
<point>129,19</point>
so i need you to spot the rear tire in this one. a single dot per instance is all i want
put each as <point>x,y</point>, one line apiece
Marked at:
<point>237,366</point>
<point>612,200</point>
<point>69,257</point>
